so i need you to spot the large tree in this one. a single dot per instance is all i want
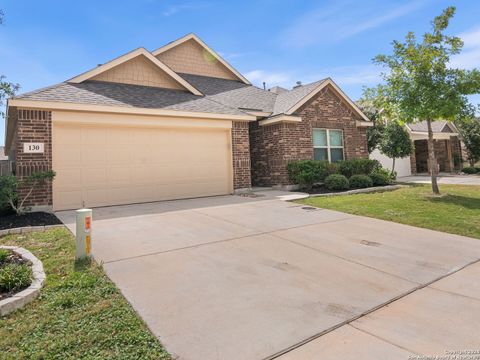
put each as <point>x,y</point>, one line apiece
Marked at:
<point>420,85</point>
<point>7,89</point>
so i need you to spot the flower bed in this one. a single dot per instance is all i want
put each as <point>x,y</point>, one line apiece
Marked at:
<point>21,277</point>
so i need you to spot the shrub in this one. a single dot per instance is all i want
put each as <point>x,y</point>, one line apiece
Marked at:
<point>469,170</point>
<point>361,166</point>
<point>9,185</point>
<point>308,172</point>
<point>336,182</point>
<point>360,181</point>
<point>3,255</point>
<point>381,177</point>
<point>15,277</point>
<point>477,169</point>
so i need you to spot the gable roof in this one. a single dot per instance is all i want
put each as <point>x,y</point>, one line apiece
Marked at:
<point>129,56</point>
<point>289,102</point>
<point>199,41</point>
<point>439,126</point>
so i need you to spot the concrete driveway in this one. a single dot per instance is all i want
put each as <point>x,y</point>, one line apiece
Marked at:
<point>442,179</point>
<point>258,278</point>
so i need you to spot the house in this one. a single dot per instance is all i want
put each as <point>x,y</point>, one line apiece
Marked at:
<point>174,123</point>
<point>448,150</point>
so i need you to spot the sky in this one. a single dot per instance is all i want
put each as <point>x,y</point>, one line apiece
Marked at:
<point>274,41</point>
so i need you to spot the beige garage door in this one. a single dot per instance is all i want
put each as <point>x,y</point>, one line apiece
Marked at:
<point>99,166</point>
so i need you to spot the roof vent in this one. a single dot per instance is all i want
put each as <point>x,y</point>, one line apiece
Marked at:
<point>299,83</point>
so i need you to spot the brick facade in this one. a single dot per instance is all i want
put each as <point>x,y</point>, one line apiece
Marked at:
<point>273,146</point>
<point>241,155</point>
<point>445,152</point>
<point>34,126</point>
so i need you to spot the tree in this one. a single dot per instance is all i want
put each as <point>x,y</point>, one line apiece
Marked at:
<point>9,186</point>
<point>395,142</point>
<point>420,85</point>
<point>7,89</point>
<point>370,106</point>
<point>470,131</point>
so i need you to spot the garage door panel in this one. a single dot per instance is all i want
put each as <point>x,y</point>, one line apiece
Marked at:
<point>120,165</point>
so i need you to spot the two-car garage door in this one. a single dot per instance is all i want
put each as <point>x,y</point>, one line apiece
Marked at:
<point>112,165</point>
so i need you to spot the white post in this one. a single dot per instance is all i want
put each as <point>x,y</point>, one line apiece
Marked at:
<point>83,233</point>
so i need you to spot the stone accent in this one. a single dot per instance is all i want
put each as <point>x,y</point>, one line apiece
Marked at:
<point>445,152</point>
<point>456,153</point>
<point>34,126</point>
<point>413,161</point>
<point>241,155</point>
<point>273,146</point>
<point>23,297</point>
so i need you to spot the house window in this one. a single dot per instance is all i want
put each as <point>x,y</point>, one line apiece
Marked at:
<point>328,144</point>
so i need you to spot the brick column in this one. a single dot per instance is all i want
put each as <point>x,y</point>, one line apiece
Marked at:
<point>241,155</point>
<point>34,126</point>
<point>413,161</point>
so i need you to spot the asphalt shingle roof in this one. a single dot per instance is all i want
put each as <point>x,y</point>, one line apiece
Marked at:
<point>287,99</point>
<point>221,96</point>
<point>437,126</point>
<point>113,94</point>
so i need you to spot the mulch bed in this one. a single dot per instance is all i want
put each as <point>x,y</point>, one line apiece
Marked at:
<point>10,220</point>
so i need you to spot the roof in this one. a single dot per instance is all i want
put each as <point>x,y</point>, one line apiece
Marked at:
<point>440,126</point>
<point>287,99</point>
<point>114,94</point>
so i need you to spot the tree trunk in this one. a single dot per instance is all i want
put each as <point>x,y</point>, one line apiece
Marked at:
<point>432,159</point>
<point>393,166</point>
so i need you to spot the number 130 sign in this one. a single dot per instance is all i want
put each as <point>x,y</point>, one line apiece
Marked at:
<point>33,148</point>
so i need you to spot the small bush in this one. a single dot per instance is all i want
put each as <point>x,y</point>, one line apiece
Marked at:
<point>336,182</point>
<point>3,255</point>
<point>469,170</point>
<point>360,166</point>
<point>381,177</point>
<point>477,169</point>
<point>360,181</point>
<point>308,172</point>
<point>15,277</point>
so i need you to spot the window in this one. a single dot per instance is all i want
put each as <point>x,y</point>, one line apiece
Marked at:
<point>328,144</point>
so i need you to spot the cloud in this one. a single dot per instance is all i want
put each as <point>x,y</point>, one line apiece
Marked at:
<point>352,75</point>
<point>341,20</point>
<point>175,9</point>
<point>270,78</point>
<point>470,56</point>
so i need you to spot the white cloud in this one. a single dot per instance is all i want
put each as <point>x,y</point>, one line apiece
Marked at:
<point>174,9</point>
<point>470,56</point>
<point>354,74</point>
<point>341,20</point>
<point>270,78</point>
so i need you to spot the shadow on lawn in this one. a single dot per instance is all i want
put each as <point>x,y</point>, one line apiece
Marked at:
<point>464,201</point>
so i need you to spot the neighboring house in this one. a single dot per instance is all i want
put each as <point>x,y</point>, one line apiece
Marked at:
<point>448,150</point>
<point>174,123</point>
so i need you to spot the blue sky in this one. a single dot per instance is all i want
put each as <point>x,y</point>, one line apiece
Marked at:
<point>276,41</point>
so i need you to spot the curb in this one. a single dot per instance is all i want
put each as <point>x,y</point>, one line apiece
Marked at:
<point>27,295</point>
<point>27,229</point>
<point>362,191</point>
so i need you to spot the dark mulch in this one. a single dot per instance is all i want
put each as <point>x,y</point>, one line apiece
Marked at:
<point>10,220</point>
<point>320,189</point>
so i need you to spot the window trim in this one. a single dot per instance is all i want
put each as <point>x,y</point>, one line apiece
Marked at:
<point>328,147</point>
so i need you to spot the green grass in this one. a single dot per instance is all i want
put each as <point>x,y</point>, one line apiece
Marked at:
<point>80,314</point>
<point>457,211</point>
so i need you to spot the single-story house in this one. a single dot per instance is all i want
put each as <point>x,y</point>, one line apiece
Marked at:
<point>177,122</point>
<point>448,150</point>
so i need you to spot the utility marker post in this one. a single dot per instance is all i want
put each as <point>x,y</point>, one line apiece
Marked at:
<point>83,233</point>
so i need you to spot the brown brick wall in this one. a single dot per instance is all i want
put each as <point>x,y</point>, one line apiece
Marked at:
<point>457,152</point>
<point>34,126</point>
<point>241,155</point>
<point>273,146</point>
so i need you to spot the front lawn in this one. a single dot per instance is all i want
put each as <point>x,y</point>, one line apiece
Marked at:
<point>456,212</point>
<point>80,313</point>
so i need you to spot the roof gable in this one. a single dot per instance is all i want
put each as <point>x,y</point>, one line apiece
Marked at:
<point>191,55</point>
<point>137,67</point>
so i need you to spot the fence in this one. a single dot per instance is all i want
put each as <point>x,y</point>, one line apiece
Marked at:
<point>5,167</point>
